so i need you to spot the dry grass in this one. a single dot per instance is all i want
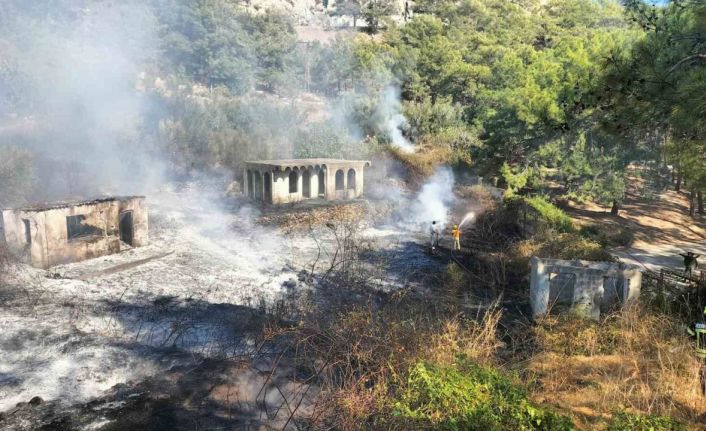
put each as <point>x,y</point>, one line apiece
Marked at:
<point>635,359</point>
<point>366,352</point>
<point>422,163</point>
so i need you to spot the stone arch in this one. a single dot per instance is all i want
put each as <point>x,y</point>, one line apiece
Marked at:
<point>351,178</point>
<point>293,182</point>
<point>250,190</point>
<point>257,185</point>
<point>339,180</point>
<point>268,187</point>
<point>306,183</point>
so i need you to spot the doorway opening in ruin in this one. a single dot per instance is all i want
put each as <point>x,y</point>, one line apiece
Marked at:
<point>322,183</point>
<point>268,187</point>
<point>293,182</point>
<point>250,184</point>
<point>306,184</point>
<point>339,179</point>
<point>126,228</point>
<point>28,232</point>
<point>257,185</point>
<point>561,291</point>
<point>351,178</point>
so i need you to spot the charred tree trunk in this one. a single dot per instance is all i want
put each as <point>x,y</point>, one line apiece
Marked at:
<point>615,209</point>
<point>700,201</point>
<point>692,202</point>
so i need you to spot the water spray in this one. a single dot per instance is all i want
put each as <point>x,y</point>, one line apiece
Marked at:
<point>468,217</point>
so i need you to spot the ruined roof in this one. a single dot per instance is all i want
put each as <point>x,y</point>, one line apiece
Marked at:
<point>294,163</point>
<point>44,206</point>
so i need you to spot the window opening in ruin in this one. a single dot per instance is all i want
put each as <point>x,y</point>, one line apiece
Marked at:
<point>28,231</point>
<point>76,227</point>
<point>268,187</point>
<point>293,182</point>
<point>322,184</point>
<point>339,179</point>
<point>306,184</point>
<point>351,178</point>
<point>127,230</point>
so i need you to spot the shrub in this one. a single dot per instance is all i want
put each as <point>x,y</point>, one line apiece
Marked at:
<point>608,236</point>
<point>466,396</point>
<point>551,214</point>
<point>624,421</point>
<point>572,246</point>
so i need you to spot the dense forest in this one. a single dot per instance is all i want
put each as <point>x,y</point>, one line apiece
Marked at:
<point>522,91</point>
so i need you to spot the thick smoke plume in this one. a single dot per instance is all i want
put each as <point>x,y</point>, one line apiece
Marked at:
<point>435,198</point>
<point>78,108</point>
<point>391,119</point>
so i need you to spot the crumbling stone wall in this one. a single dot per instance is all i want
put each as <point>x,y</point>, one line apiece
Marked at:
<point>48,242</point>
<point>584,287</point>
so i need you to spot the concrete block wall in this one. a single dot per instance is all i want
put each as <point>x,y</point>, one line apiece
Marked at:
<point>595,287</point>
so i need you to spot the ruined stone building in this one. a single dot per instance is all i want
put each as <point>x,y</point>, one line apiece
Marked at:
<point>283,181</point>
<point>52,234</point>
<point>584,287</point>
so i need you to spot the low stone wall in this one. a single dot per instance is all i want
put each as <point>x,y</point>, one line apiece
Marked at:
<point>584,287</point>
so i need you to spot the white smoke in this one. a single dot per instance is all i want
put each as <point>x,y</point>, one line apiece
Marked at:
<point>391,119</point>
<point>434,199</point>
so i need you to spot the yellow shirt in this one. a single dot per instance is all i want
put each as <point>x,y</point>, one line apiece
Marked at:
<point>456,233</point>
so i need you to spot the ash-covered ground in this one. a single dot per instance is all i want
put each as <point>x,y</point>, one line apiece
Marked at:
<point>192,300</point>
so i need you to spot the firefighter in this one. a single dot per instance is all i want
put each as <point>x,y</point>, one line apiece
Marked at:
<point>690,262</point>
<point>434,231</point>
<point>456,233</point>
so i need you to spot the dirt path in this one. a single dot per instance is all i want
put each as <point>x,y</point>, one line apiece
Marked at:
<point>661,228</point>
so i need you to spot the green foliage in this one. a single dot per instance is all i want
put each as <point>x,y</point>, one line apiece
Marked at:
<point>375,11</point>
<point>514,180</point>
<point>607,236</point>
<point>469,397</point>
<point>214,43</point>
<point>324,139</point>
<point>624,421</point>
<point>551,214</point>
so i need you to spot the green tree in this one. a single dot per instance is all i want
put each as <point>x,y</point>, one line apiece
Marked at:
<point>376,11</point>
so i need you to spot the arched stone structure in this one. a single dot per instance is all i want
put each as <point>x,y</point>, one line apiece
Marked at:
<point>293,182</point>
<point>315,178</point>
<point>306,183</point>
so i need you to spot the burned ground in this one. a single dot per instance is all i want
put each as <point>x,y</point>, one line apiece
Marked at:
<point>173,333</point>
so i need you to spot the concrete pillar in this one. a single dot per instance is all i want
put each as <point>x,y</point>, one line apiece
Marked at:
<point>330,184</point>
<point>539,287</point>
<point>300,186</point>
<point>314,178</point>
<point>245,182</point>
<point>280,186</point>
<point>632,283</point>
<point>359,175</point>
